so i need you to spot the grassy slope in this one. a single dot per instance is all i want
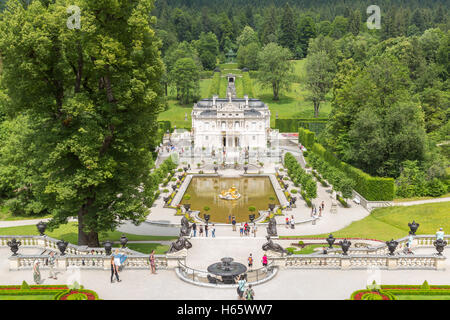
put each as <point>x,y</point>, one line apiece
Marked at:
<point>392,222</point>
<point>292,103</point>
<point>69,232</point>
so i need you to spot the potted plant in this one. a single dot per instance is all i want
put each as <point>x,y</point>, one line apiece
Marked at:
<point>252,209</point>
<point>271,204</point>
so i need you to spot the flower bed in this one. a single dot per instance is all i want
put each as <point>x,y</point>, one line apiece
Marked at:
<point>46,292</point>
<point>400,292</point>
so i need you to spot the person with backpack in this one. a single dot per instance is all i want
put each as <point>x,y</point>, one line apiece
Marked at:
<point>250,261</point>
<point>264,260</point>
<point>194,229</point>
<point>249,293</point>
<point>206,230</point>
<point>151,259</point>
<point>241,287</point>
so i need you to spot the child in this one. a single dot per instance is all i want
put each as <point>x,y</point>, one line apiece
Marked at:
<point>249,293</point>
<point>241,230</point>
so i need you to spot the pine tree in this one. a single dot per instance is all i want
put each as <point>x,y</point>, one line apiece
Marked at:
<point>288,29</point>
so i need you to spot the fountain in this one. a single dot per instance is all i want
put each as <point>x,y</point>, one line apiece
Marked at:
<point>227,269</point>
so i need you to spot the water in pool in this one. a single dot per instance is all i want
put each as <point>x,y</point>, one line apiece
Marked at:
<point>254,191</point>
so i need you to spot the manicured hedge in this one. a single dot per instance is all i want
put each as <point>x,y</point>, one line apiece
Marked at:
<point>371,188</point>
<point>214,88</point>
<point>315,125</point>
<point>306,138</point>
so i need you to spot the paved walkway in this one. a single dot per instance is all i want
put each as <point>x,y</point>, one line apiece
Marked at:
<point>287,284</point>
<point>414,203</point>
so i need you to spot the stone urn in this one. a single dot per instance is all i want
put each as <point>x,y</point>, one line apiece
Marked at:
<point>207,217</point>
<point>392,245</point>
<point>413,227</point>
<point>185,169</point>
<point>108,246</point>
<point>187,207</point>
<point>62,246</point>
<point>41,226</point>
<point>174,187</point>
<point>345,245</point>
<point>14,245</point>
<point>251,217</point>
<point>245,169</point>
<point>331,240</point>
<point>123,241</point>
<point>215,169</point>
<point>166,199</point>
<point>439,245</point>
<point>271,207</point>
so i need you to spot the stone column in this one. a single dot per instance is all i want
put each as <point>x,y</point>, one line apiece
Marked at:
<point>440,263</point>
<point>13,263</point>
<point>61,263</point>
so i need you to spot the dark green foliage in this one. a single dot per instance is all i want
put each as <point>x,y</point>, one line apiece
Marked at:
<point>299,176</point>
<point>306,138</point>
<point>316,125</point>
<point>214,88</point>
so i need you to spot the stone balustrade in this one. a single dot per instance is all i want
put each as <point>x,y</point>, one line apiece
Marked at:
<point>358,261</point>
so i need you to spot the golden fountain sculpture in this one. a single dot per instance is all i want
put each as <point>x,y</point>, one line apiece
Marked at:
<point>230,194</point>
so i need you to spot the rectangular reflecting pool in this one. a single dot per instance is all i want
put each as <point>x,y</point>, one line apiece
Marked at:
<point>254,191</point>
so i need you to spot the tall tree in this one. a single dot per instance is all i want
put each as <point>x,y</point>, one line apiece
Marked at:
<point>208,49</point>
<point>92,97</point>
<point>186,75</point>
<point>275,69</point>
<point>319,77</point>
<point>288,33</point>
<point>306,31</point>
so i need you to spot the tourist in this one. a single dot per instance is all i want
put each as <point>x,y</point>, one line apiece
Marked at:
<point>250,261</point>
<point>241,287</point>
<point>200,234</point>
<point>287,222</point>
<point>241,230</point>
<point>320,211</point>
<point>315,210</point>
<point>324,250</point>
<point>229,218</point>
<point>194,229</point>
<point>408,249</point>
<point>233,222</point>
<point>254,230</point>
<point>246,229</point>
<point>264,260</point>
<point>151,259</point>
<point>114,270</point>
<point>51,265</point>
<point>312,210</point>
<point>323,206</point>
<point>36,272</point>
<point>249,293</point>
<point>292,222</point>
<point>440,234</point>
<point>213,231</point>
<point>206,230</point>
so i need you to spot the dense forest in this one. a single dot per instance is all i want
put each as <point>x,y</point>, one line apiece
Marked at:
<point>79,110</point>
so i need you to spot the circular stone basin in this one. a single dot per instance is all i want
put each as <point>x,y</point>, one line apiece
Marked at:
<point>227,269</point>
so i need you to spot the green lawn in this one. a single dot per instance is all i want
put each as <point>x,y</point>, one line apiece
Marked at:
<point>69,232</point>
<point>292,103</point>
<point>392,222</point>
<point>6,215</point>
<point>148,247</point>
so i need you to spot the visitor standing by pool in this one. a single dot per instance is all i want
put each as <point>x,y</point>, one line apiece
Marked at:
<point>241,230</point>
<point>206,230</point>
<point>151,259</point>
<point>287,222</point>
<point>233,222</point>
<point>264,260</point>
<point>250,261</point>
<point>213,231</point>
<point>200,233</point>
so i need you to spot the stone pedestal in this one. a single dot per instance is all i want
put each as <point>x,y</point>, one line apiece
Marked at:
<point>345,262</point>
<point>13,263</point>
<point>107,262</point>
<point>440,263</point>
<point>173,258</point>
<point>392,263</point>
<point>61,263</point>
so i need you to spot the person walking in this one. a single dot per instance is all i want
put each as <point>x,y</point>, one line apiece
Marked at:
<point>117,260</point>
<point>194,229</point>
<point>213,231</point>
<point>114,270</point>
<point>241,230</point>
<point>241,287</point>
<point>292,222</point>
<point>151,259</point>
<point>51,265</point>
<point>200,233</point>
<point>287,222</point>
<point>440,234</point>
<point>36,272</point>
<point>206,230</point>
<point>320,211</point>
<point>233,222</point>
<point>254,230</point>
<point>323,206</point>
<point>249,293</point>
<point>264,260</point>
<point>250,261</point>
